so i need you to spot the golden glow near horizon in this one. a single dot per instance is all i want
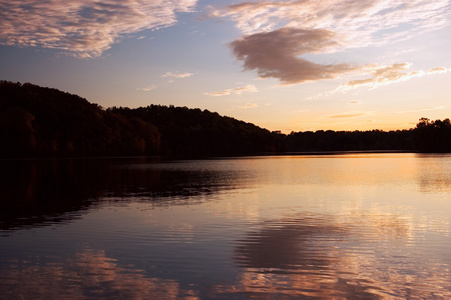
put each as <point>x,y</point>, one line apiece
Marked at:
<point>284,65</point>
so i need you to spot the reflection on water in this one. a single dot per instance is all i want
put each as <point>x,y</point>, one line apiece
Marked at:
<point>323,257</point>
<point>289,244</point>
<point>366,226</point>
<point>434,175</point>
<point>87,275</point>
<point>51,191</point>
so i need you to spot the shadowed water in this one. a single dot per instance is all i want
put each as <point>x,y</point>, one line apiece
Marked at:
<point>371,226</point>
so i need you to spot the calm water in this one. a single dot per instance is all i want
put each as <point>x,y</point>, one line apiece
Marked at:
<point>371,226</point>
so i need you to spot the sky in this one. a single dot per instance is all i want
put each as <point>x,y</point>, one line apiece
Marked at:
<point>288,65</point>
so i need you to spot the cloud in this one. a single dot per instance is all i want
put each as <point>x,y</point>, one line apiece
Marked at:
<point>236,91</point>
<point>248,105</point>
<point>275,54</point>
<point>279,34</point>
<point>421,109</point>
<point>347,115</point>
<point>89,270</point>
<point>384,75</point>
<point>147,89</point>
<point>438,71</point>
<point>82,28</point>
<point>177,75</point>
<point>362,22</point>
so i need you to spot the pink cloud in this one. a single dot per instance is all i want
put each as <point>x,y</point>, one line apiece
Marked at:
<point>82,28</point>
<point>359,21</point>
<point>275,54</point>
<point>278,33</point>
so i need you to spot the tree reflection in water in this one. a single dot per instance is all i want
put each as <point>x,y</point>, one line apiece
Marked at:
<point>49,191</point>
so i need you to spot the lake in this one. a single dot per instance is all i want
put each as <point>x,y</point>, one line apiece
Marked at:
<point>343,226</point>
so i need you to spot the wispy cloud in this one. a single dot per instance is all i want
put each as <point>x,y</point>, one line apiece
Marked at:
<point>421,109</point>
<point>177,75</point>
<point>248,105</point>
<point>383,76</point>
<point>387,75</point>
<point>236,91</point>
<point>171,75</point>
<point>82,28</point>
<point>438,71</point>
<point>362,22</point>
<point>147,89</point>
<point>347,115</point>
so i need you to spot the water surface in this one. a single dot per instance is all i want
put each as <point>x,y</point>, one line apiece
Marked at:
<point>372,226</point>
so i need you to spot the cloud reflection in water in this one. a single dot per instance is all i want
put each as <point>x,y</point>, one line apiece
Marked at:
<point>325,257</point>
<point>88,275</point>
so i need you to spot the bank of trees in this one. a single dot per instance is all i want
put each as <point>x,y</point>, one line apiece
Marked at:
<point>37,121</point>
<point>195,132</point>
<point>45,122</point>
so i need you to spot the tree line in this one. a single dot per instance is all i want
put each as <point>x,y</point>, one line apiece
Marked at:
<point>45,122</point>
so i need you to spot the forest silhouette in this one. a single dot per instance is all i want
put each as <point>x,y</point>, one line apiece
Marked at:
<point>45,122</point>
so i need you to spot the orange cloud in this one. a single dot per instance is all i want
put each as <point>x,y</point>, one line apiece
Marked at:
<point>347,115</point>
<point>82,28</point>
<point>438,70</point>
<point>275,54</point>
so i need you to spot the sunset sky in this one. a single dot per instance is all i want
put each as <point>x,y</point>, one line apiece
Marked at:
<point>289,65</point>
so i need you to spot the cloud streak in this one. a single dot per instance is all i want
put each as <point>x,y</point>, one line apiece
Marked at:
<point>236,91</point>
<point>148,88</point>
<point>248,105</point>
<point>82,28</point>
<point>176,75</point>
<point>421,109</point>
<point>387,75</point>
<point>347,115</point>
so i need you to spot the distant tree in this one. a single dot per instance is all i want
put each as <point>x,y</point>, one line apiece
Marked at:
<point>433,136</point>
<point>350,140</point>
